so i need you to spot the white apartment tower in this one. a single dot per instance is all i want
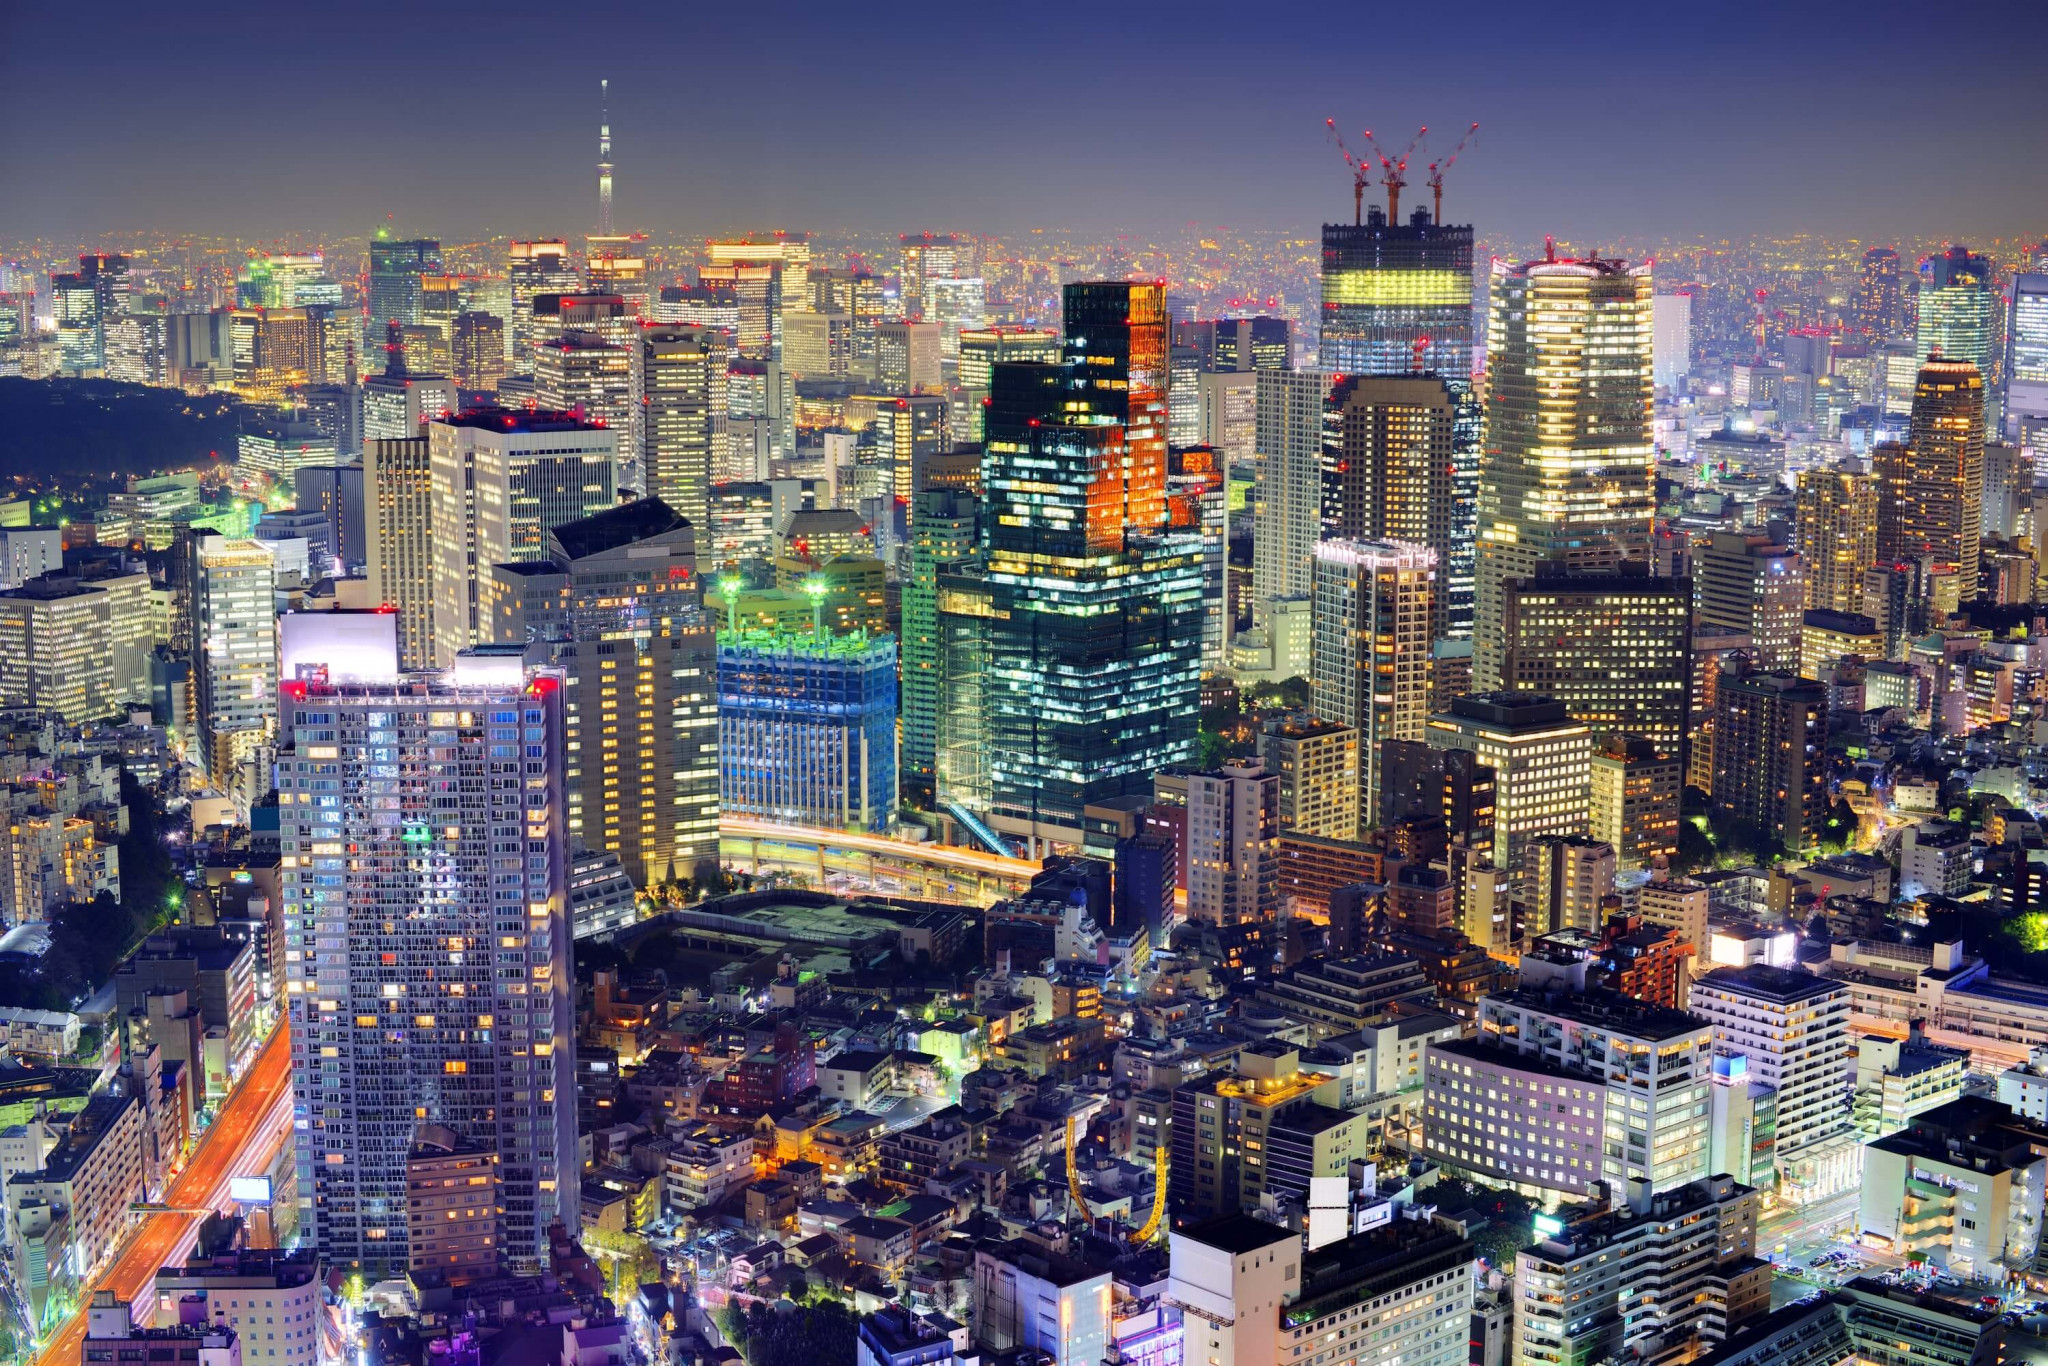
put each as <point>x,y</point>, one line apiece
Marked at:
<point>1234,844</point>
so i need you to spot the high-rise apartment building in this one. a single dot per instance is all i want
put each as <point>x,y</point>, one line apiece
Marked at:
<point>1559,1091</point>
<point>1793,1027</point>
<point>1233,844</point>
<point>1745,581</point>
<point>807,728</point>
<point>1931,490</point>
<point>1876,306</point>
<point>500,481</point>
<point>1292,408</point>
<point>1959,314</point>
<point>1769,764</point>
<point>398,524</point>
<point>234,648</point>
<point>1836,536</point>
<point>945,534</point>
<point>409,1003</point>
<point>1567,881</point>
<point>1390,470</point>
<point>1397,300</point>
<point>616,600</point>
<point>1541,761</point>
<point>1317,763</point>
<point>1094,626</point>
<point>1373,624</point>
<point>1568,472</point>
<point>683,380</point>
<point>1612,646</point>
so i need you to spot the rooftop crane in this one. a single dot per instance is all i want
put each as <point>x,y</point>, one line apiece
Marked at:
<point>1361,172</point>
<point>1437,169</point>
<point>1394,170</point>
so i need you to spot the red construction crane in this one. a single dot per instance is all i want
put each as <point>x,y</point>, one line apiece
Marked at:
<point>1394,170</point>
<point>1437,169</point>
<point>1361,172</point>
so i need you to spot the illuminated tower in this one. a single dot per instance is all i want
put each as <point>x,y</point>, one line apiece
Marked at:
<point>604,158</point>
<point>1959,308</point>
<point>1374,614</point>
<point>1569,455</point>
<point>534,269</point>
<point>396,291</point>
<point>683,373</point>
<point>1395,438</point>
<point>1837,537</point>
<point>1931,490</point>
<point>2026,362</point>
<point>1397,300</point>
<point>1095,626</point>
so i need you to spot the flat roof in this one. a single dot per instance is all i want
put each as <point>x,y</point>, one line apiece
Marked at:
<point>1237,1234</point>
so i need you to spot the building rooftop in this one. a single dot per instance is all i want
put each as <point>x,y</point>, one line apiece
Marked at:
<point>615,527</point>
<point>1773,984</point>
<point>522,421</point>
<point>1237,1234</point>
<point>1609,1010</point>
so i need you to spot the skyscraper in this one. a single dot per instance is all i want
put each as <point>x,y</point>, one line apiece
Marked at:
<point>1876,307</point>
<point>1398,300</point>
<point>584,374</point>
<point>1671,345</point>
<point>1836,536</point>
<point>234,646</point>
<point>604,157</point>
<point>2026,361</point>
<point>500,482</point>
<point>533,269</point>
<point>1959,307</point>
<point>1930,490</point>
<point>1395,443</point>
<point>1613,647</point>
<point>1569,461</point>
<point>1541,761</point>
<point>412,1010</point>
<point>396,293</point>
<point>1094,637</point>
<point>1292,419</point>
<point>479,349</point>
<point>1746,582</point>
<point>398,526</point>
<point>807,728</point>
<point>1769,769</point>
<point>1233,842</point>
<point>1373,619</point>
<point>683,376</point>
<point>945,533</point>
<point>616,599</point>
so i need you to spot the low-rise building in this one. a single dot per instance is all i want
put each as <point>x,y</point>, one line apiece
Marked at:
<point>1961,1186</point>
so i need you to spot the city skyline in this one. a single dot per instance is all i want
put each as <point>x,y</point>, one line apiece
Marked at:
<point>700,155</point>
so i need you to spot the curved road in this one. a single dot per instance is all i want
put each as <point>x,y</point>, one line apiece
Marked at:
<point>252,1126</point>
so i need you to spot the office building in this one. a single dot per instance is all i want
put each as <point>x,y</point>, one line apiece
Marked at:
<point>1828,638</point>
<point>1541,761</point>
<point>1095,605</point>
<point>479,351</point>
<point>500,481</point>
<point>683,378</point>
<point>1233,844</point>
<point>1959,307</point>
<point>907,356</point>
<point>1317,763</point>
<point>615,598</point>
<point>983,348</point>
<point>1769,766</point>
<point>1290,460</point>
<point>1793,1028</point>
<point>807,728</point>
<point>945,534</point>
<point>234,649</point>
<point>1959,1187</point>
<point>1634,800</point>
<point>1605,1282</point>
<point>1395,448</point>
<point>1568,472</point>
<point>29,552</point>
<point>533,269</point>
<point>56,649</point>
<point>1745,582</point>
<point>2026,360</point>
<point>1931,489</point>
<point>396,293</point>
<point>1836,537</point>
<point>1562,1067</point>
<point>583,374</point>
<point>421,1032</point>
<point>396,406</point>
<point>272,1302</point>
<point>1614,647</point>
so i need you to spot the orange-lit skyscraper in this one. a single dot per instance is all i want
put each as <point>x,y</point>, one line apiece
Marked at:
<point>1931,490</point>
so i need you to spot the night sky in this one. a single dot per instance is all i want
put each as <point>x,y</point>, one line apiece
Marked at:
<point>461,120</point>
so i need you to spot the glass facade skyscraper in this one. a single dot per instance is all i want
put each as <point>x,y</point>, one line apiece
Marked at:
<point>2026,365</point>
<point>1094,629</point>
<point>1959,308</point>
<point>807,728</point>
<point>1397,300</point>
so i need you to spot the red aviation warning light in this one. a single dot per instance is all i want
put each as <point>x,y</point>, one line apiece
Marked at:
<point>1394,170</point>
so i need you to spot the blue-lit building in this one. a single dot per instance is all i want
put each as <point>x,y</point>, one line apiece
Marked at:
<point>807,728</point>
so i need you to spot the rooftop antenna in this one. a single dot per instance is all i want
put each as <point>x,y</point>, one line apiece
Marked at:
<point>604,158</point>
